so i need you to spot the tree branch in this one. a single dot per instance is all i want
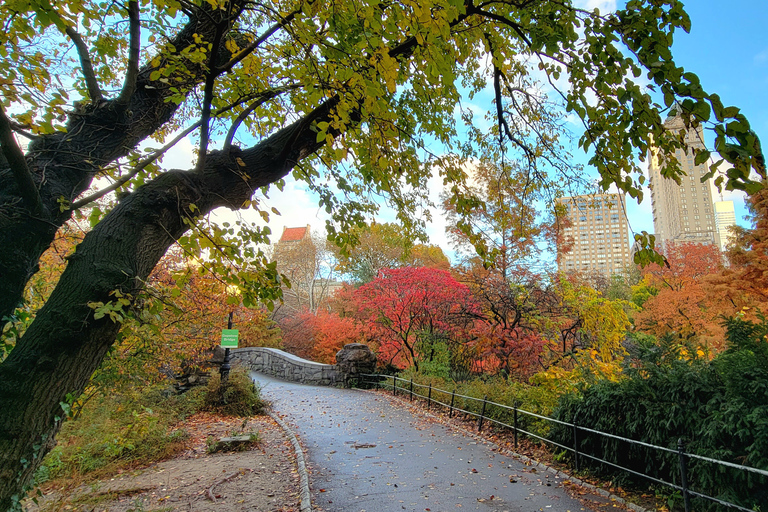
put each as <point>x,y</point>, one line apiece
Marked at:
<point>86,66</point>
<point>160,152</point>
<point>133,172</point>
<point>210,82</point>
<point>245,113</point>
<point>255,44</point>
<point>133,54</point>
<point>12,152</point>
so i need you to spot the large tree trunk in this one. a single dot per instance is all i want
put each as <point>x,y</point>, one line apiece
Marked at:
<point>64,164</point>
<point>65,344</point>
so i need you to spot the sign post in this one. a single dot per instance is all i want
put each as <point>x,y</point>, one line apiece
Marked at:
<point>229,339</point>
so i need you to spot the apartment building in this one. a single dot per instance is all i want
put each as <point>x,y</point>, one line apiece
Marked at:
<point>598,233</point>
<point>684,212</point>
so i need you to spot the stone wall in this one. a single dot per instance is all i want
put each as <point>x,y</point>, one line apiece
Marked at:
<point>287,366</point>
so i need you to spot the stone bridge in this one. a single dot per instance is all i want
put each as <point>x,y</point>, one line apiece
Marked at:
<point>352,360</point>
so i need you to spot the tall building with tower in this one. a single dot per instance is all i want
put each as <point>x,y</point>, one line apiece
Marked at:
<point>597,234</point>
<point>684,212</point>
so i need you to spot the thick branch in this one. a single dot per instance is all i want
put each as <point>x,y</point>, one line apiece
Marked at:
<point>247,112</point>
<point>94,91</point>
<point>134,49</point>
<point>15,157</point>
<point>136,170</point>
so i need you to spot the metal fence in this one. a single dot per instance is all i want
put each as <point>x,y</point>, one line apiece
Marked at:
<point>447,399</point>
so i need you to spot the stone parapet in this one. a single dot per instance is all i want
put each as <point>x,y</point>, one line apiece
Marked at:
<point>287,366</point>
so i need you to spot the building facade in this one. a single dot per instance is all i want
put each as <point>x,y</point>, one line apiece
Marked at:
<point>684,212</point>
<point>725,217</point>
<point>597,235</point>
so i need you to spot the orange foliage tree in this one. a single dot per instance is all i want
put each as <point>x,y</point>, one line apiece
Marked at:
<point>685,302</point>
<point>319,336</point>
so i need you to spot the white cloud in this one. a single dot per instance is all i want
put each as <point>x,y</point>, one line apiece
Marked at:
<point>604,6</point>
<point>761,58</point>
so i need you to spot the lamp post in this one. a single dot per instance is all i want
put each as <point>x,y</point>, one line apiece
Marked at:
<point>225,365</point>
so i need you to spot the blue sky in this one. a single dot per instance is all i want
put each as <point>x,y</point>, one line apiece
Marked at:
<point>727,48</point>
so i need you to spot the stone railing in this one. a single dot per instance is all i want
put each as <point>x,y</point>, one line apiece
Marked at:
<point>287,366</point>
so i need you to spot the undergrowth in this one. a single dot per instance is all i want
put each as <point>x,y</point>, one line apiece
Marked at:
<point>503,391</point>
<point>138,427</point>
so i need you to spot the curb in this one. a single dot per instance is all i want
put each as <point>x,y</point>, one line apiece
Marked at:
<point>526,459</point>
<point>306,501</point>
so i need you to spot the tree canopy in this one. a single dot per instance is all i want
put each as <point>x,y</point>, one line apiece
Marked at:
<point>345,97</point>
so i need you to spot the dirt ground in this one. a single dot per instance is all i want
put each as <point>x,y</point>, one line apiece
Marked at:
<point>263,478</point>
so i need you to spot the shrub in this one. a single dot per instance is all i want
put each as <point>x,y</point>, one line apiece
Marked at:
<point>720,408</point>
<point>241,396</point>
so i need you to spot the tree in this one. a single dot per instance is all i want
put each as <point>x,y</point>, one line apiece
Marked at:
<point>506,223</point>
<point>387,245</point>
<point>406,307</point>
<point>342,98</point>
<point>683,301</point>
<point>511,319</point>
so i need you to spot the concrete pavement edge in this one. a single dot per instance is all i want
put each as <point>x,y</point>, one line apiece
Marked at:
<point>305,497</point>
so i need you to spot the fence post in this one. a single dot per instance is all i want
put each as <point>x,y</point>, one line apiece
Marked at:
<point>453,397</point>
<point>377,382</point>
<point>429,396</point>
<point>394,386</point>
<point>515,418</point>
<point>575,444</point>
<point>482,414</point>
<point>684,474</point>
<point>411,389</point>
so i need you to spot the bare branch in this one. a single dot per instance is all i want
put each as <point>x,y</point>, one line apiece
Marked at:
<point>133,54</point>
<point>12,152</point>
<point>94,91</point>
<point>210,81</point>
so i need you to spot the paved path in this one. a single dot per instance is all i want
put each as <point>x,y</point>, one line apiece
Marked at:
<point>366,454</point>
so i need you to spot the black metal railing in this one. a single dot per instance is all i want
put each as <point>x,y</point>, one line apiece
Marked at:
<point>447,399</point>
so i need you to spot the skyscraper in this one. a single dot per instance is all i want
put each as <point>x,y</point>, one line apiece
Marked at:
<point>682,212</point>
<point>725,217</point>
<point>599,234</point>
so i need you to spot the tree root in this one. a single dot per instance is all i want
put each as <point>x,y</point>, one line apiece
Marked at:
<point>209,492</point>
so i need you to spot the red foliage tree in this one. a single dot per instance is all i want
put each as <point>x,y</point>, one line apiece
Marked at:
<point>318,336</point>
<point>508,328</point>
<point>404,306</point>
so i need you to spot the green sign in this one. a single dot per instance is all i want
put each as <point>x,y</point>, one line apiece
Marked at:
<point>229,338</point>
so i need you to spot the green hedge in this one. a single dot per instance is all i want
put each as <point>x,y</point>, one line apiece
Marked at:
<point>719,408</point>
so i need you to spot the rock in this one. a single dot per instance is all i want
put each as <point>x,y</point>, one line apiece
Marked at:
<point>233,443</point>
<point>354,359</point>
<point>218,355</point>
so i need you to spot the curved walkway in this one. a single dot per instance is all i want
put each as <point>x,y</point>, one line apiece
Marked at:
<point>366,454</point>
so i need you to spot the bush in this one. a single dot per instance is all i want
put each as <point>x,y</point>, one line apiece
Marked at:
<point>120,430</point>
<point>720,408</point>
<point>241,396</point>
<point>498,389</point>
